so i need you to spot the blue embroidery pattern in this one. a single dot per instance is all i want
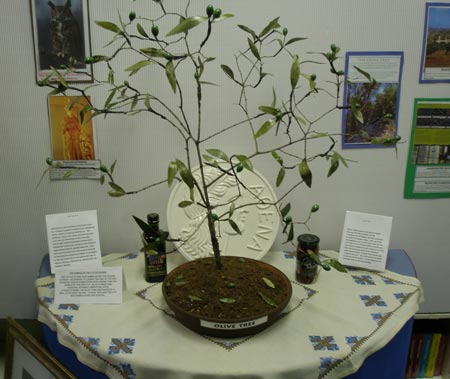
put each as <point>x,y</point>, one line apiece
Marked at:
<point>119,345</point>
<point>370,301</point>
<point>401,297</point>
<point>73,307</point>
<point>66,319</point>
<point>353,340</point>
<point>126,371</point>
<point>389,281</point>
<point>379,318</point>
<point>142,294</point>
<point>47,300</point>
<point>326,364</point>
<point>323,343</point>
<point>363,280</point>
<point>91,342</point>
<point>289,254</point>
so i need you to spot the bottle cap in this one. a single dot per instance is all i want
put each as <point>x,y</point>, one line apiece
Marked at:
<point>308,240</point>
<point>153,218</point>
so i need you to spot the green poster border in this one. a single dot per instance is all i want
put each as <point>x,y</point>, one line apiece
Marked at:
<point>411,168</point>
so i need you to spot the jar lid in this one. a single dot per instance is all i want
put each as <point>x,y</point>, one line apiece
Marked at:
<point>152,218</point>
<point>308,240</point>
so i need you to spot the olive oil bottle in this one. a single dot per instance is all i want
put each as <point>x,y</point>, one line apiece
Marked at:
<point>155,251</point>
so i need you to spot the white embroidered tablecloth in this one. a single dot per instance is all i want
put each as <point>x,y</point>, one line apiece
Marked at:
<point>330,327</point>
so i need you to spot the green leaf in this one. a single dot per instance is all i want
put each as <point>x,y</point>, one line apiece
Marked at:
<point>291,233</point>
<point>277,158</point>
<point>358,115</point>
<point>336,265</point>
<point>170,73</point>
<point>171,172</point>
<point>218,154</point>
<point>141,31</point>
<point>253,49</point>
<point>227,70</point>
<point>152,52</point>
<point>280,176</point>
<point>268,300</point>
<point>274,97</point>
<point>364,73</point>
<point>137,66</point>
<point>305,173</point>
<point>314,257</point>
<point>245,162</point>
<point>194,298</point>
<point>248,30</point>
<point>285,210</point>
<point>185,204</point>
<point>185,174</point>
<point>114,193</point>
<point>59,76</point>
<point>147,102</point>
<point>334,165</point>
<point>144,226</point>
<point>223,17</point>
<point>265,128</point>
<point>187,24</point>
<point>292,40</point>
<point>227,300</point>
<point>269,110</point>
<point>231,210</point>
<point>295,72</point>
<point>69,173</point>
<point>108,26</point>
<point>234,226</point>
<point>110,97</point>
<point>268,282</point>
<point>272,25</point>
<point>134,103</point>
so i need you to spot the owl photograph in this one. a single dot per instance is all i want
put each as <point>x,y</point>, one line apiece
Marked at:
<point>60,34</point>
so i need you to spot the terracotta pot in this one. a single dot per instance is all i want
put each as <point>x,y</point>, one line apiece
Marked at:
<point>228,327</point>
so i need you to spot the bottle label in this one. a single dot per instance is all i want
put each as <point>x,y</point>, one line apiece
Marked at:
<point>156,265</point>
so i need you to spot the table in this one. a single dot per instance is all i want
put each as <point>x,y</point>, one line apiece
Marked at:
<point>317,338</point>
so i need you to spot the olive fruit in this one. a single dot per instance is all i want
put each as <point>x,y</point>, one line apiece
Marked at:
<point>209,10</point>
<point>315,208</point>
<point>155,30</point>
<point>217,12</point>
<point>132,15</point>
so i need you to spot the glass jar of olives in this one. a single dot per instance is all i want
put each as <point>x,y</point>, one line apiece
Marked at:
<point>306,269</point>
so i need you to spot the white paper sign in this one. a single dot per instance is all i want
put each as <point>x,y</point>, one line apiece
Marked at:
<point>365,241</point>
<point>89,286</point>
<point>73,240</point>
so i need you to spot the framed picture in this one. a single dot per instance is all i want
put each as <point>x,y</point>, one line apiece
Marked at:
<point>61,39</point>
<point>26,358</point>
<point>373,104</point>
<point>435,62</point>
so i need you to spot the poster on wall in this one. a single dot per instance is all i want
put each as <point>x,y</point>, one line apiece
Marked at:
<point>61,39</point>
<point>72,139</point>
<point>435,62</point>
<point>428,166</point>
<point>373,99</point>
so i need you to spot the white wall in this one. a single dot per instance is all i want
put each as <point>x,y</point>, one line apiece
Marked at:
<point>374,185</point>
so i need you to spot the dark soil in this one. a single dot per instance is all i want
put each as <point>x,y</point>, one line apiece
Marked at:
<point>203,290</point>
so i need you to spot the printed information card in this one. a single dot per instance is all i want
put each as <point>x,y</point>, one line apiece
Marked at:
<point>365,241</point>
<point>73,240</point>
<point>89,286</point>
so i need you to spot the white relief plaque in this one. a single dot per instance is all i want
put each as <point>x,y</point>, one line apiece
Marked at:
<point>258,223</point>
